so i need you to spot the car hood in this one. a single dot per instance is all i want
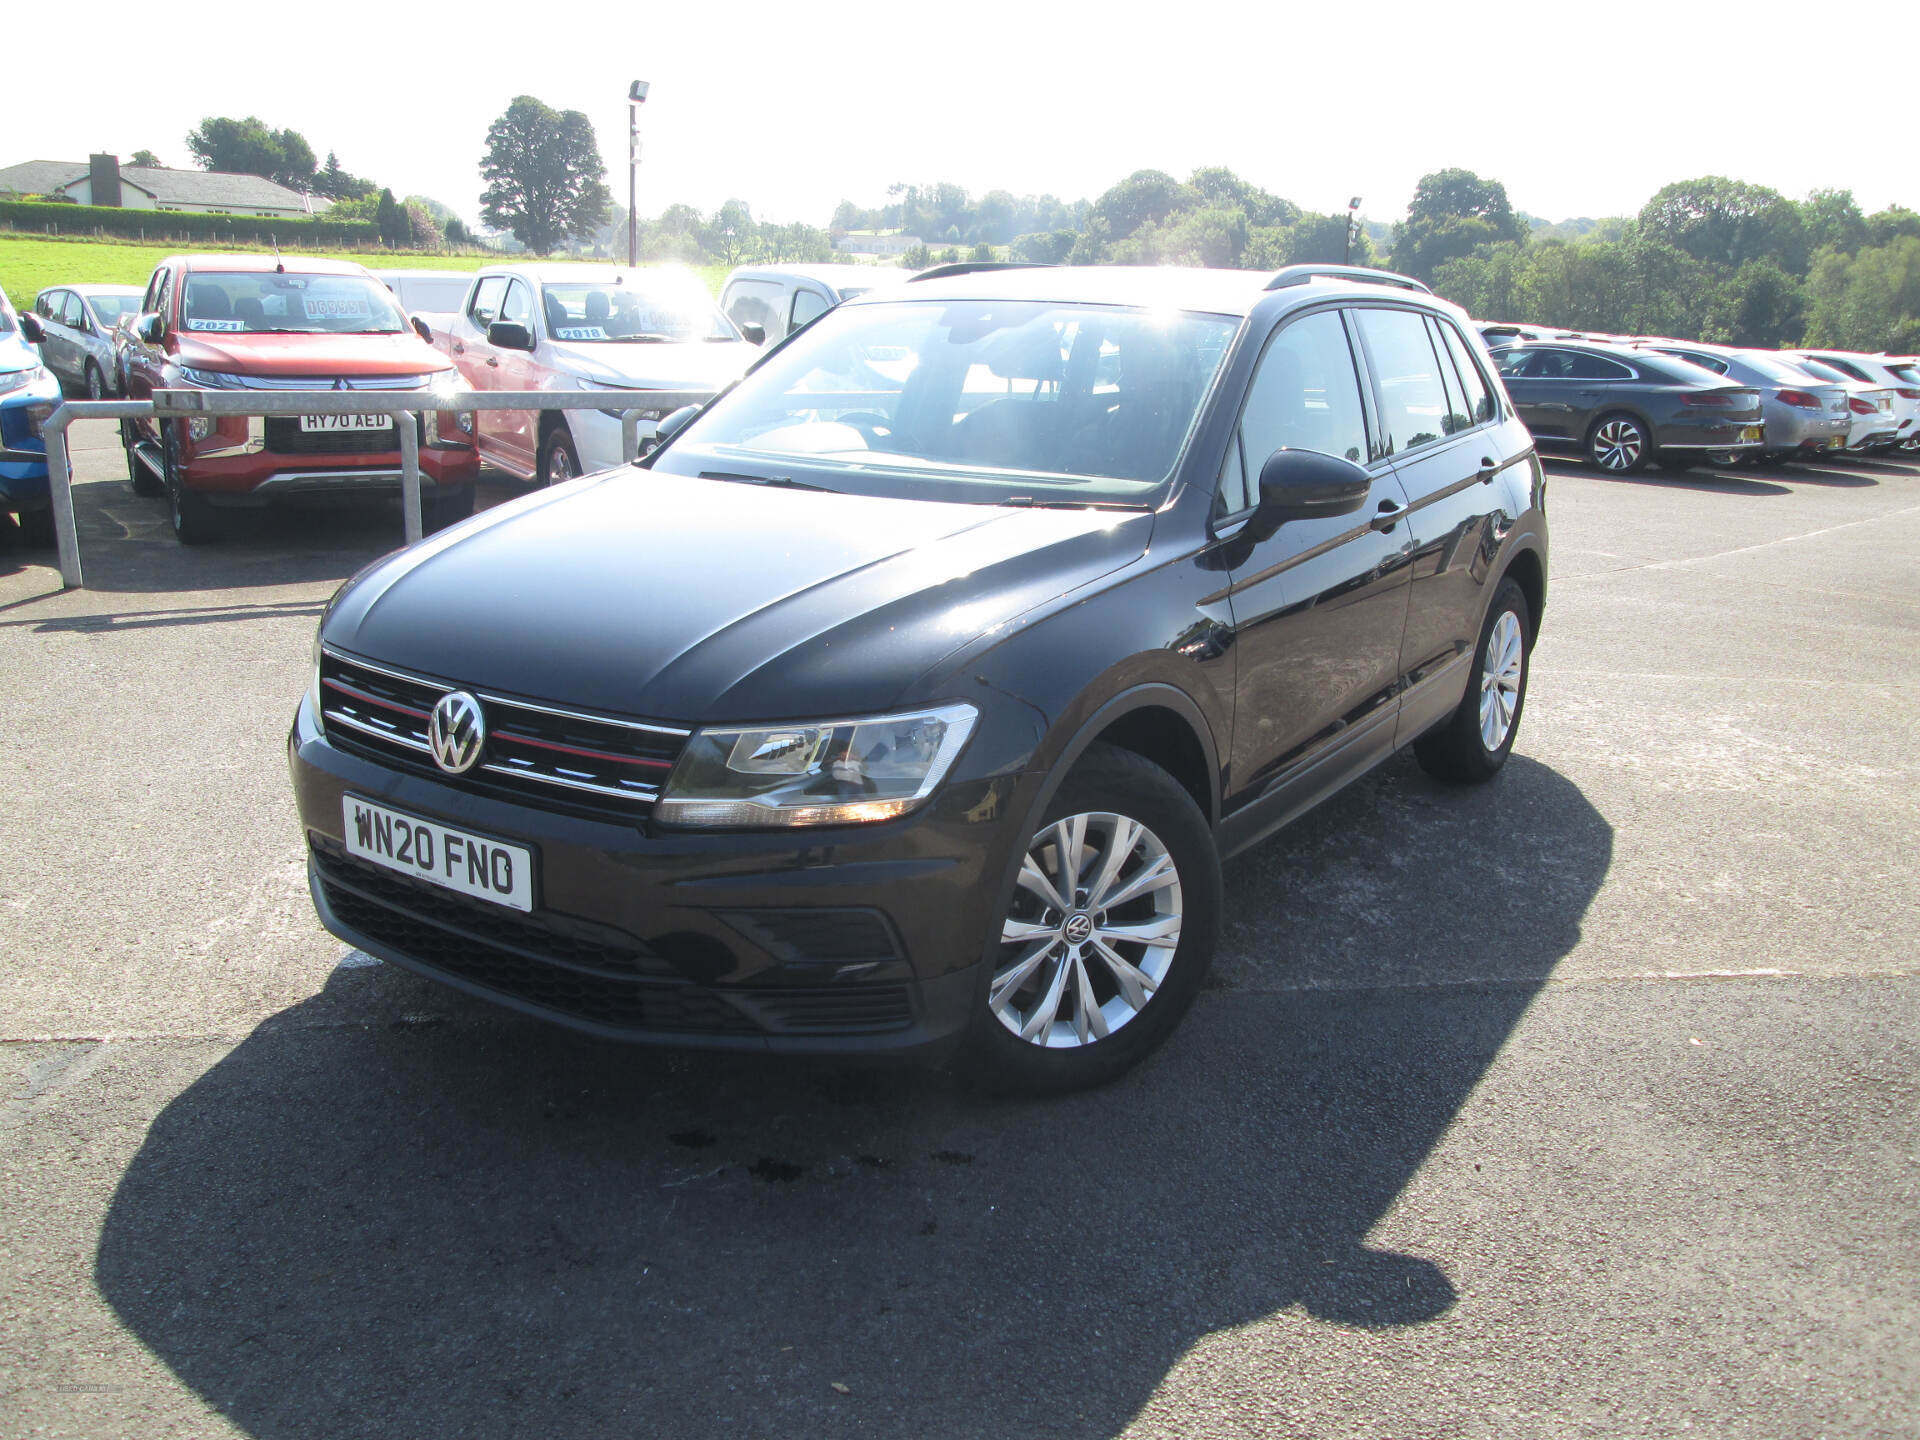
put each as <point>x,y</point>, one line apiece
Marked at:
<point>16,353</point>
<point>674,598</point>
<point>303,355</point>
<point>653,366</point>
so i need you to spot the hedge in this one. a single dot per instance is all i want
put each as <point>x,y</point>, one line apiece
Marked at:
<point>41,217</point>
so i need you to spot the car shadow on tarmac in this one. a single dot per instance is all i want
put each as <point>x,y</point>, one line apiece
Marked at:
<point>394,1211</point>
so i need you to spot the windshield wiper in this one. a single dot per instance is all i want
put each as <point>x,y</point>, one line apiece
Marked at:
<point>1027,502</point>
<point>778,482</point>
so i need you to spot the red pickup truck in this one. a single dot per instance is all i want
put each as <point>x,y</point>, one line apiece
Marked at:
<point>253,322</point>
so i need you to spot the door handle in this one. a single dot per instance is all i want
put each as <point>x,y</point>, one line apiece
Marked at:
<point>1487,470</point>
<point>1388,516</point>
<point>458,348</point>
<point>493,360</point>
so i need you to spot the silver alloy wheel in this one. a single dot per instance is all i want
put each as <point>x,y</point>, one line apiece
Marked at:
<point>559,464</point>
<point>1091,932</point>
<point>1617,445</point>
<point>1501,669</point>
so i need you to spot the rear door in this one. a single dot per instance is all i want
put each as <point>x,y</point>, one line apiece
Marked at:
<point>62,352</point>
<point>515,430</point>
<point>1319,606</point>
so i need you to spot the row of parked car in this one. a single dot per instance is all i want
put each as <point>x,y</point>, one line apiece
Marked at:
<point>1623,401</point>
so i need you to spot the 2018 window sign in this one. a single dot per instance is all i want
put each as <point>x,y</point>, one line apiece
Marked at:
<point>451,858</point>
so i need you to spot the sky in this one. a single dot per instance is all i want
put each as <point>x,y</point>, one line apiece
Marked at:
<point>1578,110</point>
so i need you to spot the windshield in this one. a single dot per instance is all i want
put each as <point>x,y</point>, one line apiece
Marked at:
<point>653,310</point>
<point>269,303</point>
<point>983,400</point>
<point>108,309</point>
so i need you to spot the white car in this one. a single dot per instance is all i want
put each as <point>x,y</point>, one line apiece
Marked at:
<point>779,299</point>
<point>1876,371</point>
<point>434,295</point>
<point>585,327</point>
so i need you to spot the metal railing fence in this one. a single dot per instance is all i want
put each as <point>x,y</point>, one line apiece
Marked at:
<point>405,405</point>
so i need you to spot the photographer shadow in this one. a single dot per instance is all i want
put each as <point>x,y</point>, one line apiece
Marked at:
<point>392,1211</point>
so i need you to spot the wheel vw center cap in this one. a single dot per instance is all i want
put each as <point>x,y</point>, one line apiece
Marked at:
<point>1078,928</point>
<point>456,732</point>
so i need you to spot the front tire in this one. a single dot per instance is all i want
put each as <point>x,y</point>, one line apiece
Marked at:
<point>1107,932</point>
<point>193,519</point>
<point>559,461</point>
<point>1471,745</point>
<point>142,480</point>
<point>1619,445</point>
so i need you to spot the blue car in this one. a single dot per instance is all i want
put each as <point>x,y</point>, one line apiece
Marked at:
<point>28,394</point>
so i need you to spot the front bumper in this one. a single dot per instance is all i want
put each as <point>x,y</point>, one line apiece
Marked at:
<point>856,940</point>
<point>242,470</point>
<point>23,455</point>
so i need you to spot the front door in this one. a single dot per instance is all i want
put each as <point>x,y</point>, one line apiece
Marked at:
<point>1319,606</point>
<point>517,430</point>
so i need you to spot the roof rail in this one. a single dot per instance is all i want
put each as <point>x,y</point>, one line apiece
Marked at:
<point>1360,274</point>
<point>967,267</point>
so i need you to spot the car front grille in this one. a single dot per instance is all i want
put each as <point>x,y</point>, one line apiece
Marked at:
<point>564,759</point>
<point>285,437</point>
<point>519,961</point>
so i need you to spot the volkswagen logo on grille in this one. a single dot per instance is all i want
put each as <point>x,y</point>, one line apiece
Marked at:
<point>457,732</point>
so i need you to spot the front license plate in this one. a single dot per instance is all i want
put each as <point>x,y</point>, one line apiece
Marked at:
<point>346,422</point>
<point>427,850</point>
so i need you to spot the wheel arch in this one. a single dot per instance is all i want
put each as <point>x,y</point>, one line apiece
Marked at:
<point>1528,569</point>
<point>1157,721</point>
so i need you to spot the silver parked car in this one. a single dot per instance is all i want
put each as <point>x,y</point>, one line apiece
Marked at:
<point>79,321</point>
<point>1803,416</point>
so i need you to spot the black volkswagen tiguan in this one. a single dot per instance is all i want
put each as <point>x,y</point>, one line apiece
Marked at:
<point>907,697</point>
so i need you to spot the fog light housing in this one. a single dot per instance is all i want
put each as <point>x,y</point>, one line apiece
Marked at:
<point>37,416</point>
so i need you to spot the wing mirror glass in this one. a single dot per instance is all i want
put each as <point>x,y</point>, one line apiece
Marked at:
<point>755,332</point>
<point>151,329</point>
<point>1306,485</point>
<point>421,328</point>
<point>509,335</point>
<point>31,328</point>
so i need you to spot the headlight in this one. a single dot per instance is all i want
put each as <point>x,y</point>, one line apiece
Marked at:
<point>211,379</point>
<point>838,772</point>
<point>449,427</point>
<point>13,380</point>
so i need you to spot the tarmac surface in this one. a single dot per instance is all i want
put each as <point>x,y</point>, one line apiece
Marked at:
<point>1582,1104</point>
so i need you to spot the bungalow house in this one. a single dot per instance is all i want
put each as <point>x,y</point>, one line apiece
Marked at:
<point>103,180</point>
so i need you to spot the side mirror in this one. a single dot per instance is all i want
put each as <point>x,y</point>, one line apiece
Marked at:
<point>673,423</point>
<point>151,329</point>
<point>509,335</point>
<point>421,328</point>
<point>755,332</point>
<point>31,328</point>
<point>1306,485</point>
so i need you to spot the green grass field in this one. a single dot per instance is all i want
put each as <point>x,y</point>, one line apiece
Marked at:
<point>29,264</point>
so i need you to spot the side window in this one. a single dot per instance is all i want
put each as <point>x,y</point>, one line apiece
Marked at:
<point>1234,495</point>
<point>1596,367</point>
<point>519,303</point>
<point>44,303</point>
<point>1543,365</point>
<point>755,302</point>
<point>807,305</point>
<point>163,302</point>
<point>1304,396</point>
<point>1458,416</point>
<point>485,308</point>
<point>1479,394</point>
<point>73,313</point>
<point>150,302</point>
<point>1705,362</point>
<point>1413,400</point>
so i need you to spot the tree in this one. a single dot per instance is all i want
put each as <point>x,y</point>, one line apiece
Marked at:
<point>1145,197</point>
<point>457,232</point>
<point>1043,247</point>
<point>1453,213</point>
<point>545,179</point>
<point>1759,307</point>
<point>337,184</point>
<point>146,159</point>
<point>1728,222</point>
<point>396,230</point>
<point>1870,301</point>
<point>731,233</point>
<point>1220,188</point>
<point>1832,218</point>
<point>249,147</point>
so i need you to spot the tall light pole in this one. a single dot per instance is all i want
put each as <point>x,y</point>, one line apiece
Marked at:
<point>1353,219</point>
<point>636,97</point>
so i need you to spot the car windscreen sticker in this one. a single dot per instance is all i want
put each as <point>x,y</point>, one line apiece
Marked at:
<point>579,332</point>
<point>337,307</point>
<point>198,323</point>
